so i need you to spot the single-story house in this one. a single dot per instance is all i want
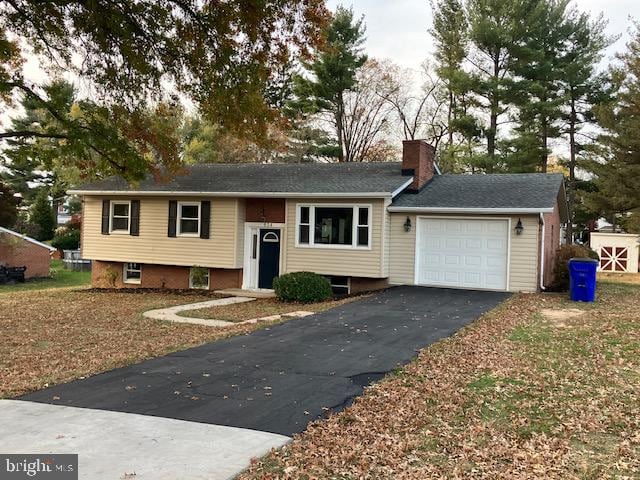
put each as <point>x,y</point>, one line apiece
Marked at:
<point>17,250</point>
<point>618,251</point>
<point>363,225</point>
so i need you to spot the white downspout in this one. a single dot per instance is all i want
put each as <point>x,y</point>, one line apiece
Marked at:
<point>542,287</point>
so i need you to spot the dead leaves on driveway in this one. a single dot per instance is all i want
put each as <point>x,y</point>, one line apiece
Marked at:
<point>511,396</point>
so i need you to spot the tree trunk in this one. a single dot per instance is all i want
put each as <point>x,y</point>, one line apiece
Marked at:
<point>494,105</point>
<point>339,126</point>
<point>450,118</point>
<point>573,120</point>
<point>545,144</point>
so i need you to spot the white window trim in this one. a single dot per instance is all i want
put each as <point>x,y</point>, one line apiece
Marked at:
<point>354,227</point>
<point>179,219</point>
<point>201,287</point>
<point>111,215</point>
<point>130,280</point>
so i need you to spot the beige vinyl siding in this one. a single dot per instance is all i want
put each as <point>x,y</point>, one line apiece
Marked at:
<point>239,227</point>
<point>402,253</point>
<point>154,246</point>
<point>523,263</point>
<point>386,244</point>
<point>523,267</point>
<point>336,261</point>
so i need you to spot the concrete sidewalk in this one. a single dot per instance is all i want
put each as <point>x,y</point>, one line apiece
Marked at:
<point>114,445</point>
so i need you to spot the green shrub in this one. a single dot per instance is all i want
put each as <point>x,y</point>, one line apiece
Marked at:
<point>67,240</point>
<point>561,268</point>
<point>303,287</point>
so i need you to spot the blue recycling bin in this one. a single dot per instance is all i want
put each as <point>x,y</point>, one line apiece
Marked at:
<point>582,279</point>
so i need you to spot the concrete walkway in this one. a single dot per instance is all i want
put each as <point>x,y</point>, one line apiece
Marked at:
<point>170,314</point>
<point>113,445</point>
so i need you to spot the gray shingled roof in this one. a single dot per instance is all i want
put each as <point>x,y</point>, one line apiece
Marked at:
<point>346,178</point>
<point>504,191</point>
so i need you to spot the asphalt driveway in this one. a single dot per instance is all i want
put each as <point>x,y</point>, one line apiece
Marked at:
<point>280,378</point>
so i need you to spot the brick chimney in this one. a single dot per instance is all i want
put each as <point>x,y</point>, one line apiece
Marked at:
<point>418,159</point>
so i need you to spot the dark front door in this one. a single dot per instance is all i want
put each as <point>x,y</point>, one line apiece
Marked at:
<point>269,263</point>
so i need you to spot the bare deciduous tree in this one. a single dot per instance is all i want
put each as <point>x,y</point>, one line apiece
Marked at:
<point>421,113</point>
<point>366,113</point>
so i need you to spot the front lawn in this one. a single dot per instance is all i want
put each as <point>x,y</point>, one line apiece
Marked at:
<point>261,307</point>
<point>60,277</point>
<point>53,336</point>
<point>619,277</point>
<point>538,388</point>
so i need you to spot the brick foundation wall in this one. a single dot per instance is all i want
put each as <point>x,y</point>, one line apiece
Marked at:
<point>162,276</point>
<point>361,284</point>
<point>16,252</point>
<point>221,278</point>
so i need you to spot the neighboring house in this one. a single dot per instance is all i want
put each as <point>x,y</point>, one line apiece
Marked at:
<point>618,252</point>
<point>62,214</point>
<point>363,225</point>
<point>17,250</point>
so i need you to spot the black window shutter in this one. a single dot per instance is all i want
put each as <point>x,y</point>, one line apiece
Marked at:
<point>205,218</point>
<point>106,207</point>
<point>135,218</point>
<point>173,217</point>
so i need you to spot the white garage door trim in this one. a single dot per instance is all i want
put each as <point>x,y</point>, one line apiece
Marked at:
<point>416,277</point>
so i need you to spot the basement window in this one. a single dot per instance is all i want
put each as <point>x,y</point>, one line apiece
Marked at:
<point>340,285</point>
<point>199,278</point>
<point>132,273</point>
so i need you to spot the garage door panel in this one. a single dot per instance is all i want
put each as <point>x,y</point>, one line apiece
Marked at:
<point>452,243</point>
<point>451,277</point>
<point>495,262</point>
<point>473,243</point>
<point>473,260</point>
<point>472,279</point>
<point>452,260</point>
<point>499,228</point>
<point>495,244</point>
<point>452,227</point>
<point>465,253</point>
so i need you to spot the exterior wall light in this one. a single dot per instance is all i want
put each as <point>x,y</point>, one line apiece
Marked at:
<point>407,225</point>
<point>519,227</point>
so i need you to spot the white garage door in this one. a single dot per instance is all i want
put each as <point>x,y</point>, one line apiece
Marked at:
<point>464,253</point>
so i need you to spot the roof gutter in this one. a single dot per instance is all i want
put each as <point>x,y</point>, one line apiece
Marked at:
<point>470,210</point>
<point>139,193</point>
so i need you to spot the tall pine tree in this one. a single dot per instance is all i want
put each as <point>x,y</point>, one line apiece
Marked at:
<point>584,88</point>
<point>537,64</point>
<point>494,26</point>
<point>333,73</point>
<point>42,216</point>
<point>451,36</point>
<point>617,174</point>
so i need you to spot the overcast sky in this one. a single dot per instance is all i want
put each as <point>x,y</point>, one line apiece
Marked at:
<point>397,29</point>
